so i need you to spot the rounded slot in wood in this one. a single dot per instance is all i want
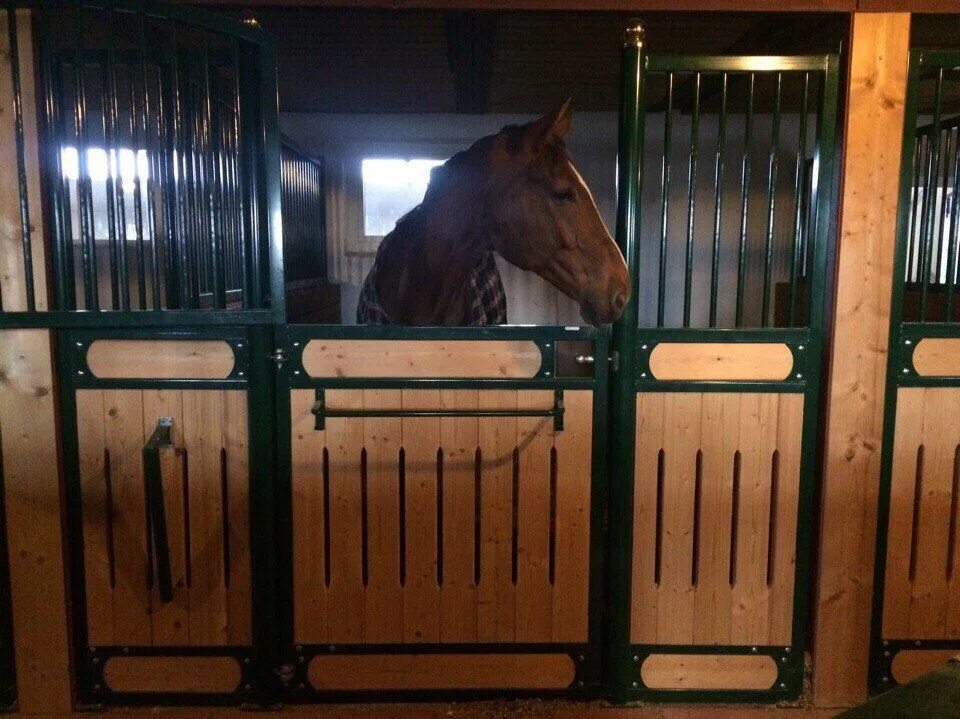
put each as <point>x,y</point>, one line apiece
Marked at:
<point>160,359</point>
<point>937,357</point>
<point>709,672</point>
<point>714,361</point>
<point>363,672</point>
<point>912,663</point>
<point>186,675</point>
<point>422,358</point>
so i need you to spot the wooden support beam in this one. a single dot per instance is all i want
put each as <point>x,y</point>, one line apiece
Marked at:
<point>877,80</point>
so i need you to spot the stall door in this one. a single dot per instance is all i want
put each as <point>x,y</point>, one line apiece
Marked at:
<point>916,623</point>
<point>443,510</point>
<point>724,218</point>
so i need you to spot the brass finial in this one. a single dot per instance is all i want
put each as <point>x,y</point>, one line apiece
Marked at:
<point>634,35</point>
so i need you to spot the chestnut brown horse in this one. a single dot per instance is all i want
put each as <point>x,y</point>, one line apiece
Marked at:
<point>516,193</point>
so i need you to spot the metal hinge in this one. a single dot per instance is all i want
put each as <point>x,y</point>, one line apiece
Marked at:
<point>279,356</point>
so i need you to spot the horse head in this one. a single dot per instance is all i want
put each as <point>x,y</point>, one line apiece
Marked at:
<point>541,216</point>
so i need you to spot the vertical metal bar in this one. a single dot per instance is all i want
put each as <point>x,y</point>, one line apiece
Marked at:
<point>745,201</point>
<point>954,232</point>
<point>929,196</point>
<point>718,173</point>
<point>113,191</point>
<point>212,183</point>
<point>799,205</point>
<point>665,202</point>
<point>912,249</point>
<point>176,171</point>
<point>136,142</point>
<point>14,53</point>
<point>243,236</point>
<point>84,192</point>
<point>691,199</point>
<point>144,189</point>
<point>771,204</point>
<point>939,260</point>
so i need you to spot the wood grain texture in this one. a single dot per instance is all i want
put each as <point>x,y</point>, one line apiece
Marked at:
<point>190,675</point>
<point>421,358</point>
<point>715,517</point>
<point>909,664</point>
<point>708,672</point>
<point>160,359</point>
<point>857,377</point>
<point>28,431</point>
<point>720,361</point>
<point>937,357</point>
<point>441,671</point>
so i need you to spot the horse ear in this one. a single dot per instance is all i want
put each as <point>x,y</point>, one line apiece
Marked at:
<point>554,124</point>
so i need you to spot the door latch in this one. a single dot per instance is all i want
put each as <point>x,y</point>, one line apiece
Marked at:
<point>279,356</point>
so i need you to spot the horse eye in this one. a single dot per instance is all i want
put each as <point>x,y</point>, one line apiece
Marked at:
<point>563,196</point>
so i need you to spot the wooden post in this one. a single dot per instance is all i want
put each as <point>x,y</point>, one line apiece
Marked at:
<point>871,170</point>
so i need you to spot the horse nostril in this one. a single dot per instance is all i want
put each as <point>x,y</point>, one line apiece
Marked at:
<point>619,302</point>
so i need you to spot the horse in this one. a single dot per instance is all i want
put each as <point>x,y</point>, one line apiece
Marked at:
<point>516,193</point>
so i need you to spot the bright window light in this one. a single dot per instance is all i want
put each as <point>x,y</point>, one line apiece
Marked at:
<point>391,188</point>
<point>99,167</point>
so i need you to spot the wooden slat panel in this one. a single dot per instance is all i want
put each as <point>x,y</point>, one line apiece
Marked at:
<point>910,664</point>
<point>235,442</point>
<point>345,606</point>
<point>12,271</point>
<point>309,581</point>
<point>721,361</point>
<point>705,671</point>
<point>441,671</point>
<point>421,591</point>
<point>571,587</point>
<point>96,512</point>
<point>742,592</point>
<point>460,437</point>
<point>124,434</point>
<point>383,597</point>
<point>534,593</point>
<point>192,675</point>
<point>495,593</point>
<point>160,359</point>
<point>421,358</point>
<point>873,137</point>
<point>170,621</point>
<point>937,357</point>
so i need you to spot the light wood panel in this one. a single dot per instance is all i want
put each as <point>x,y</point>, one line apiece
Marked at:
<point>13,287</point>
<point>909,664</point>
<point>421,358</point>
<point>205,478</point>
<point>937,357</point>
<point>480,533</point>
<point>717,479</point>
<point>922,578</point>
<point>184,674</point>
<point>160,359</point>
<point>441,671</point>
<point>708,672</point>
<point>720,361</point>
<point>857,378</point>
<point>28,432</point>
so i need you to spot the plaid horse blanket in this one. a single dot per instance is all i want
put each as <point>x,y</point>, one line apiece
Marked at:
<point>488,304</point>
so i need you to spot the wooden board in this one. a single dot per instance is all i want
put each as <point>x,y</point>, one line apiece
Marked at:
<point>717,482</point>
<point>28,431</point>
<point>478,532</point>
<point>205,476</point>
<point>421,358</point>
<point>937,357</point>
<point>13,285</point>
<point>857,380</point>
<point>613,5</point>
<point>708,672</point>
<point>160,359</point>
<point>720,361</point>
<point>184,674</point>
<point>922,577</point>
<point>441,671</point>
<point>909,664</point>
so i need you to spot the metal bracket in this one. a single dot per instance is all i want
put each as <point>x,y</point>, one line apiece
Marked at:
<point>321,412</point>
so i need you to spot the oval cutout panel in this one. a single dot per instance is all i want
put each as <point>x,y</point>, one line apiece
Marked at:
<point>937,357</point>
<point>714,361</point>
<point>422,358</point>
<point>908,664</point>
<point>716,672</point>
<point>183,674</point>
<point>160,359</point>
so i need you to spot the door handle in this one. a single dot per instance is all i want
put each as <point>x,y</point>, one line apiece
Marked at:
<point>156,512</point>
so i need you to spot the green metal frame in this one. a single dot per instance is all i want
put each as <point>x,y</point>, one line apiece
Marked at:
<point>903,339</point>
<point>633,345</point>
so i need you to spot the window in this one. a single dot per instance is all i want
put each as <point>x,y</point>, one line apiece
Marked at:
<point>391,188</point>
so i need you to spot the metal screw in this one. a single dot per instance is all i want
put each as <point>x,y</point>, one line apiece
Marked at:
<point>800,347</point>
<point>580,684</point>
<point>636,658</point>
<point>296,371</point>
<point>886,653</point>
<point>783,685</point>
<point>643,347</point>
<point>547,373</point>
<point>80,372</point>
<point>580,658</point>
<point>753,649</point>
<point>97,687</point>
<point>788,649</point>
<point>546,344</point>
<point>905,370</point>
<point>799,375</point>
<point>240,374</point>
<point>302,685</point>
<point>93,650</point>
<point>302,659</point>
<point>908,342</point>
<point>246,660</point>
<point>886,643</point>
<point>239,345</point>
<point>126,650</point>
<point>783,660</point>
<point>636,684</point>
<point>885,679</point>
<point>917,643</point>
<point>247,687</point>
<point>332,648</point>
<point>96,660</point>
<point>643,374</point>
<point>296,344</point>
<point>79,344</point>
